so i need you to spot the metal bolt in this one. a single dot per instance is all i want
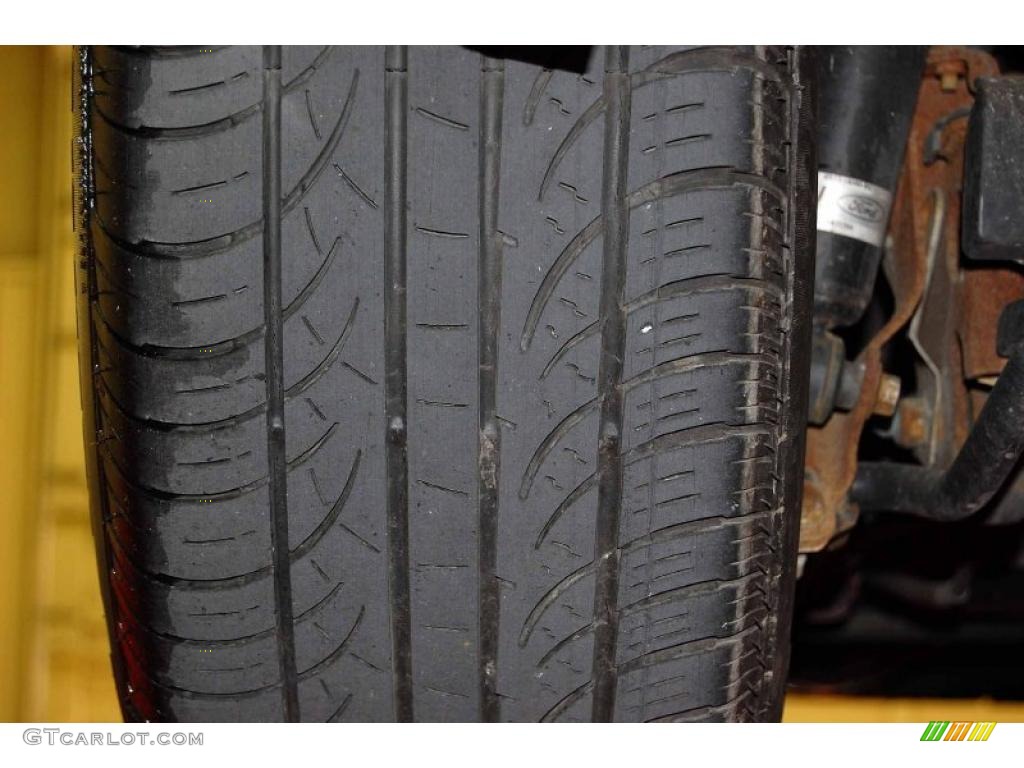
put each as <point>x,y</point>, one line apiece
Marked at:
<point>911,425</point>
<point>888,395</point>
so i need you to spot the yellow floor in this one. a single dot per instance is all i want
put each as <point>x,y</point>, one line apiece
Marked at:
<point>809,708</point>
<point>53,646</point>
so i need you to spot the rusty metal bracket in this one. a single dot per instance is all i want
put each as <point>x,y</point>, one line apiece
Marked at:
<point>831,462</point>
<point>922,250</point>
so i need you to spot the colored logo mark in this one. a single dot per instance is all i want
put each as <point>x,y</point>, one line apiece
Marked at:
<point>944,730</point>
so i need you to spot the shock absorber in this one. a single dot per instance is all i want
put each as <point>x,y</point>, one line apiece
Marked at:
<point>867,98</point>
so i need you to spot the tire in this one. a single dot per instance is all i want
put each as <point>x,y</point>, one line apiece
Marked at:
<point>426,386</point>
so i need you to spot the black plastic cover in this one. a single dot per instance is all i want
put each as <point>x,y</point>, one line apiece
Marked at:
<point>993,206</point>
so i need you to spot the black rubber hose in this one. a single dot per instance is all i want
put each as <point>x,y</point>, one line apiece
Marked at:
<point>991,451</point>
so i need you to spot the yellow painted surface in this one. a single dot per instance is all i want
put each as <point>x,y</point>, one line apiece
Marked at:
<point>810,708</point>
<point>53,645</point>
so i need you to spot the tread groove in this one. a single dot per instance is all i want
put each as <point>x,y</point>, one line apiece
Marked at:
<point>274,348</point>
<point>615,212</point>
<point>396,375</point>
<point>489,440</point>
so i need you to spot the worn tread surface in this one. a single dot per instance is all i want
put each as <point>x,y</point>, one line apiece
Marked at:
<point>422,385</point>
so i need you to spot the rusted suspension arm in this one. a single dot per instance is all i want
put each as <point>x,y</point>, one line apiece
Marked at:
<point>981,468</point>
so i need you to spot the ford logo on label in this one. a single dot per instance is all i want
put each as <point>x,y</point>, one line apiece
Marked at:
<point>861,207</point>
<point>852,208</point>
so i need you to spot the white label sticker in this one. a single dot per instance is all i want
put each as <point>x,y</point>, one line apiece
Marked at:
<point>852,208</point>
